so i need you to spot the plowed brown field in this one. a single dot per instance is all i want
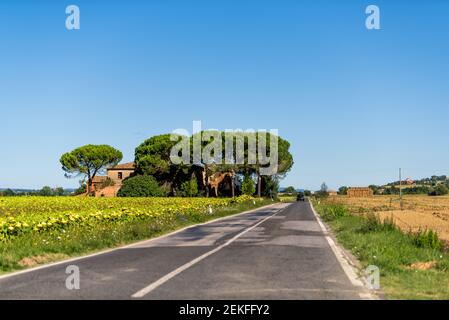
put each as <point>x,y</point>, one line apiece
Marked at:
<point>419,212</point>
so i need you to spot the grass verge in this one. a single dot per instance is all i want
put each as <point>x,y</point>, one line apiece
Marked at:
<point>412,265</point>
<point>34,249</point>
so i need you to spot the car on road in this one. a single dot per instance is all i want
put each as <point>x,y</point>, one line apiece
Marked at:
<point>300,197</point>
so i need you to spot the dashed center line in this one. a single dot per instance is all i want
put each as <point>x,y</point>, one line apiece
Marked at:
<point>141,293</point>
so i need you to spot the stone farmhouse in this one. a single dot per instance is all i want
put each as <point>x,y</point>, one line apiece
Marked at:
<point>110,184</point>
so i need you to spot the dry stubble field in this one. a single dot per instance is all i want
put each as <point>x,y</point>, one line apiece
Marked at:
<point>419,211</point>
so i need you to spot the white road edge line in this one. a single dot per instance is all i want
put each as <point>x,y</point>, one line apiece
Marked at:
<point>52,264</point>
<point>141,293</point>
<point>347,268</point>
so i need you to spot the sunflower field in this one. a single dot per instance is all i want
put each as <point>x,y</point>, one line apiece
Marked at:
<point>28,215</point>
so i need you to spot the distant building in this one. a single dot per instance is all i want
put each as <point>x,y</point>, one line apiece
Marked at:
<point>360,192</point>
<point>110,184</point>
<point>332,192</point>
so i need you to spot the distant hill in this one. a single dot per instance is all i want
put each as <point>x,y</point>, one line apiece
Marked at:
<point>433,180</point>
<point>20,191</point>
<point>411,186</point>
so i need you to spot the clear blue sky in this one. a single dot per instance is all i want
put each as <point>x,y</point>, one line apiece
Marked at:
<point>355,104</point>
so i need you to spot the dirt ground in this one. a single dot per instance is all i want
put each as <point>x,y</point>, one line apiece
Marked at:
<point>418,212</point>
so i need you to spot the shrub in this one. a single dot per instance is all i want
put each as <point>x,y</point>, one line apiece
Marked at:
<point>46,191</point>
<point>372,223</point>
<point>426,239</point>
<point>189,188</point>
<point>343,190</point>
<point>248,186</point>
<point>141,186</point>
<point>82,188</point>
<point>7,193</point>
<point>321,194</point>
<point>106,183</point>
<point>290,190</point>
<point>334,211</point>
<point>270,186</point>
<point>439,190</point>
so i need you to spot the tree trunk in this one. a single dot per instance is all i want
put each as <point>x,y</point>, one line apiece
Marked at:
<point>173,190</point>
<point>207,186</point>
<point>89,186</point>
<point>233,185</point>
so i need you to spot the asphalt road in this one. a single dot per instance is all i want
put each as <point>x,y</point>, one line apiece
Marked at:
<point>277,252</point>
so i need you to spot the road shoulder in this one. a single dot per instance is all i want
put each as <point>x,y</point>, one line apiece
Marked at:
<point>348,262</point>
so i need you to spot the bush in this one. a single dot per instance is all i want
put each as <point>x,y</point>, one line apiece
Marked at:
<point>290,190</point>
<point>46,191</point>
<point>321,194</point>
<point>107,183</point>
<point>189,188</point>
<point>82,188</point>
<point>343,190</point>
<point>372,223</point>
<point>271,187</point>
<point>141,186</point>
<point>248,186</point>
<point>426,239</point>
<point>7,193</point>
<point>333,211</point>
<point>439,190</point>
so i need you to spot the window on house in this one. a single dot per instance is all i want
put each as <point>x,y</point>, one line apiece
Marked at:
<point>120,176</point>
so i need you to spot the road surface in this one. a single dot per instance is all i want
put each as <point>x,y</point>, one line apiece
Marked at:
<point>276,252</point>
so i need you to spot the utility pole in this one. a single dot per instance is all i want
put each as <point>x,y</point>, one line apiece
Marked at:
<point>400,187</point>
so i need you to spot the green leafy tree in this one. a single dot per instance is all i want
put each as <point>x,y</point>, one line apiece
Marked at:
<point>89,160</point>
<point>189,188</point>
<point>324,187</point>
<point>343,190</point>
<point>152,157</point>
<point>141,186</point>
<point>439,190</point>
<point>374,188</point>
<point>248,186</point>
<point>322,193</point>
<point>290,190</point>
<point>46,191</point>
<point>59,191</point>
<point>82,188</point>
<point>7,193</point>
<point>271,186</point>
<point>209,168</point>
<point>284,160</point>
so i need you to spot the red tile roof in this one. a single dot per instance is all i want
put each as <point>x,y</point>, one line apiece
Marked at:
<point>124,166</point>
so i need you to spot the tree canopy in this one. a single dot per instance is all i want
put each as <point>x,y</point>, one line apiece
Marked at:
<point>89,160</point>
<point>343,190</point>
<point>290,189</point>
<point>209,153</point>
